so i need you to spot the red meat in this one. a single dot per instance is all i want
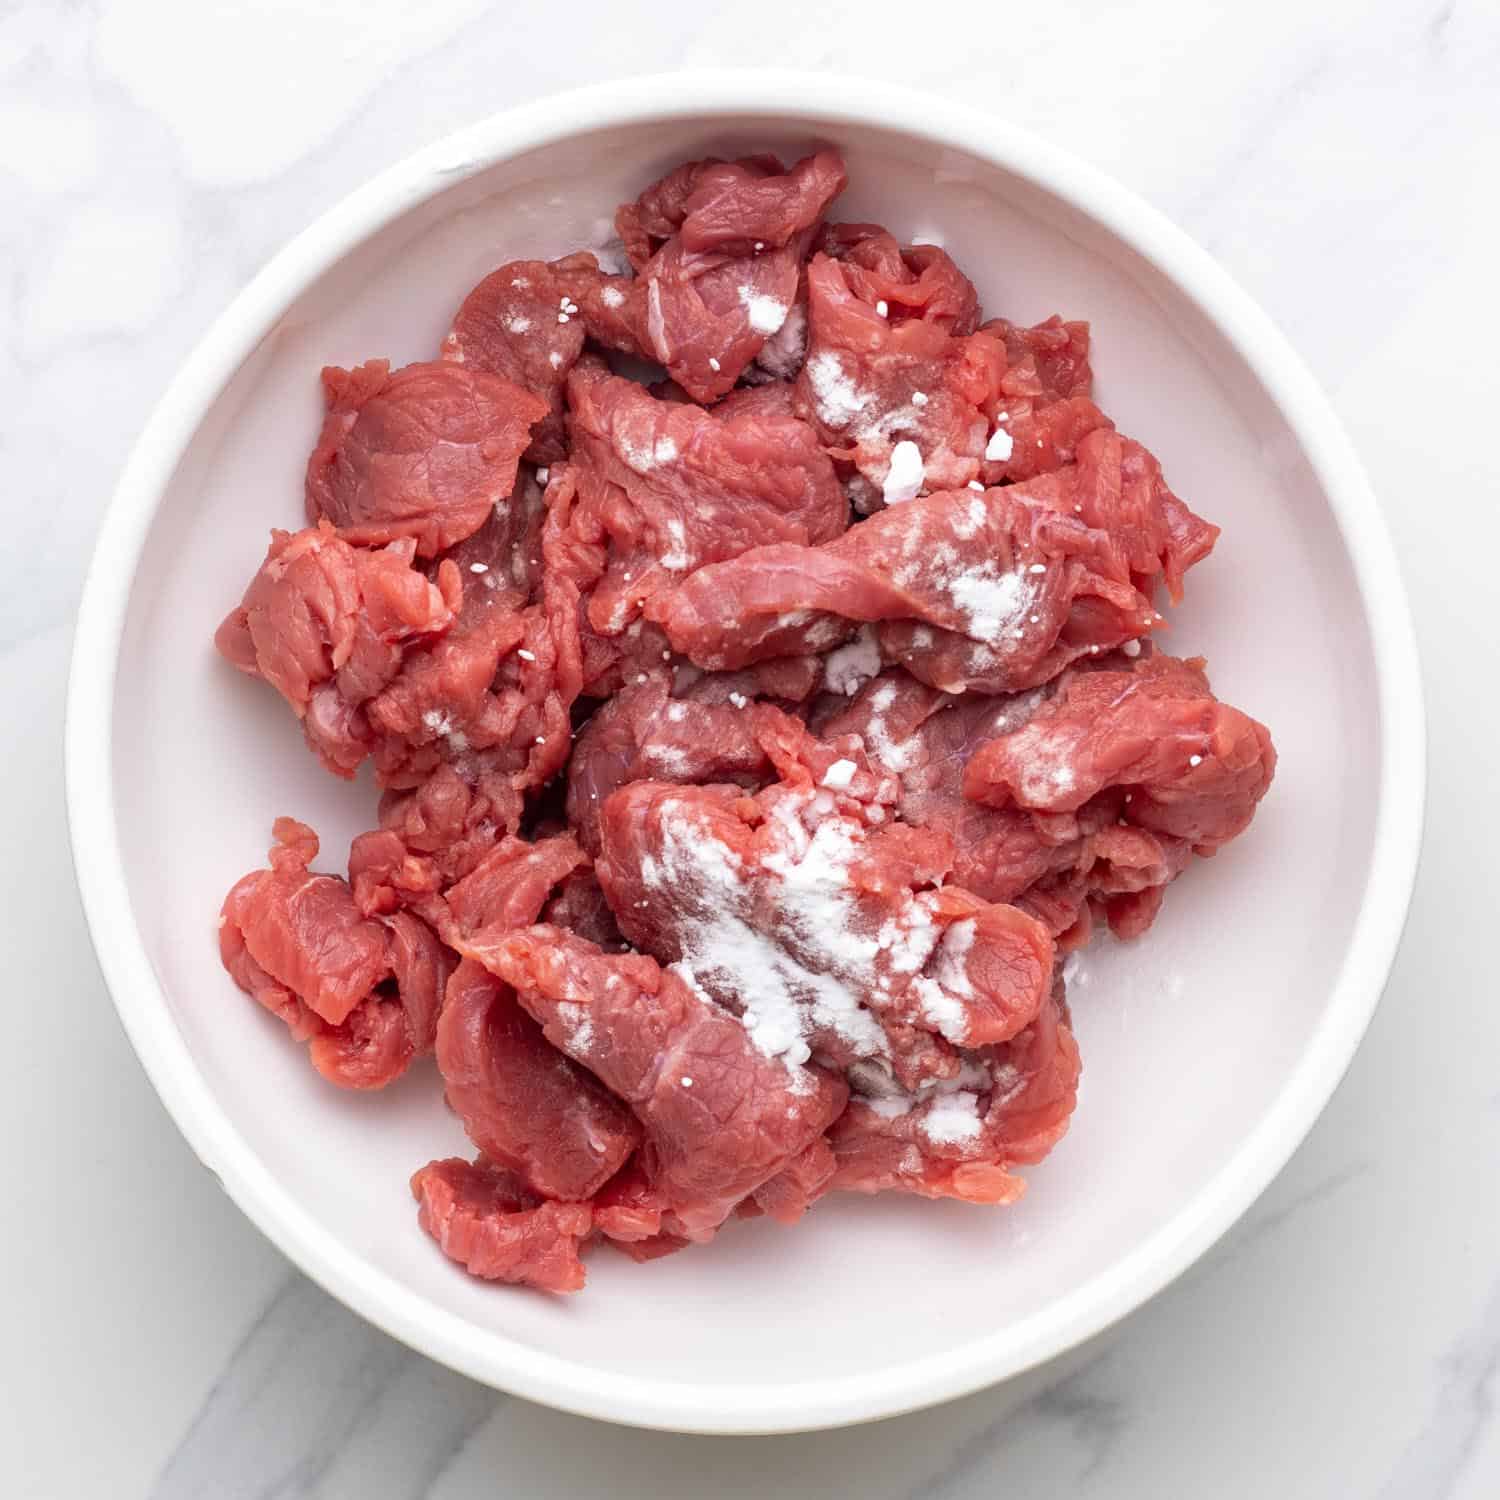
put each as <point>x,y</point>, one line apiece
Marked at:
<point>424,452</point>
<point>487,1220</point>
<point>1010,1107</point>
<point>1194,767</point>
<point>993,591</point>
<point>808,913</point>
<point>726,276</point>
<point>320,611</point>
<point>527,322</point>
<point>524,1104</point>
<point>1051,864</point>
<point>642,732</point>
<point>364,993</point>
<point>721,1118</point>
<point>662,488</point>
<point>893,357</point>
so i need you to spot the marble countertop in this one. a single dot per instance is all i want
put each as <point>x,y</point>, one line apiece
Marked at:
<point>1339,158</point>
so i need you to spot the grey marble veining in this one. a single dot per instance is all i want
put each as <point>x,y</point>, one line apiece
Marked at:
<point>1344,1338</point>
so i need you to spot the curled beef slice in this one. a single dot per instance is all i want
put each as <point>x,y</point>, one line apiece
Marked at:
<point>1045,421</point>
<point>963,1138</point>
<point>1050,864</point>
<point>497,709</point>
<point>720,1117</point>
<point>527,322</point>
<point>424,452</point>
<point>644,732</point>
<point>726,276</point>
<point>812,916</point>
<point>1195,768</point>
<point>487,1220</point>
<point>663,488</point>
<point>893,359</point>
<point>364,993</point>
<point>320,612</point>
<point>512,883</point>
<point>446,825</point>
<point>523,1103</point>
<point>993,591</point>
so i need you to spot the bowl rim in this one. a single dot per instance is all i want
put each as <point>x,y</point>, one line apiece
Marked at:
<point>494,1359</point>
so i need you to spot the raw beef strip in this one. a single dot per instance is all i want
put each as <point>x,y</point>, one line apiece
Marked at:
<point>365,993</point>
<point>510,719</point>
<point>1042,408</point>
<point>523,1103</point>
<point>320,612</point>
<point>663,488</point>
<point>727,273</point>
<point>995,591</point>
<point>439,683</point>
<point>1049,864</point>
<point>896,380</point>
<point>1194,767</point>
<point>642,732</point>
<point>926,737</point>
<point>496,1228</point>
<point>527,322</point>
<point>721,1118</point>
<point>509,887</point>
<point>425,451</point>
<point>809,913</point>
<point>961,1140</point>
<point>452,821</point>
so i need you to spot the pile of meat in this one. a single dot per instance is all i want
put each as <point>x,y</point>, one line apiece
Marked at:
<point>755,742</point>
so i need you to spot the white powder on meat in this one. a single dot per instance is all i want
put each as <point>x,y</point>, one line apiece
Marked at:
<point>767,314</point>
<point>847,669</point>
<point>839,774</point>
<point>1000,446</point>
<point>813,973</point>
<point>906,475</point>
<point>894,756</point>
<point>677,558</point>
<point>952,1118</point>
<point>967,526</point>
<point>612,296</point>
<point>994,602</point>
<point>837,399</point>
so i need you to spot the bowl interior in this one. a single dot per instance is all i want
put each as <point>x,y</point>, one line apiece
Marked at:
<point>1187,1037</point>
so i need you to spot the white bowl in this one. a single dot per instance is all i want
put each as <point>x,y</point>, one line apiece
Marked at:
<point>1209,1048</point>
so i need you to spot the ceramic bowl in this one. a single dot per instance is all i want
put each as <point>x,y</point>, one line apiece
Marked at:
<point>1209,1048</point>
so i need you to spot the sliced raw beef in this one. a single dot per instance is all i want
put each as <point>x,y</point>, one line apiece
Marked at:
<point>1009,1107</point>
<point>731,237</point>
<point>817,919</point>
<point>523,1103</point>
<point>495,706</point>
<point>721,1117</point>
<point>424,452</point>
<point>1194,767</point>
<point>364,993</point>
<point>319,612</point>
<point>661,488</point>
<point>643,732</point>
<point>993,590</point>
<point>1050,864</point>
<point>496,1228</point>
<point>509,887</point>
<point>896,380</point>
<point>527,322</point>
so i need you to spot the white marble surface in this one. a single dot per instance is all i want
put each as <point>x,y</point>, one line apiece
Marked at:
<point>1340,158</point>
